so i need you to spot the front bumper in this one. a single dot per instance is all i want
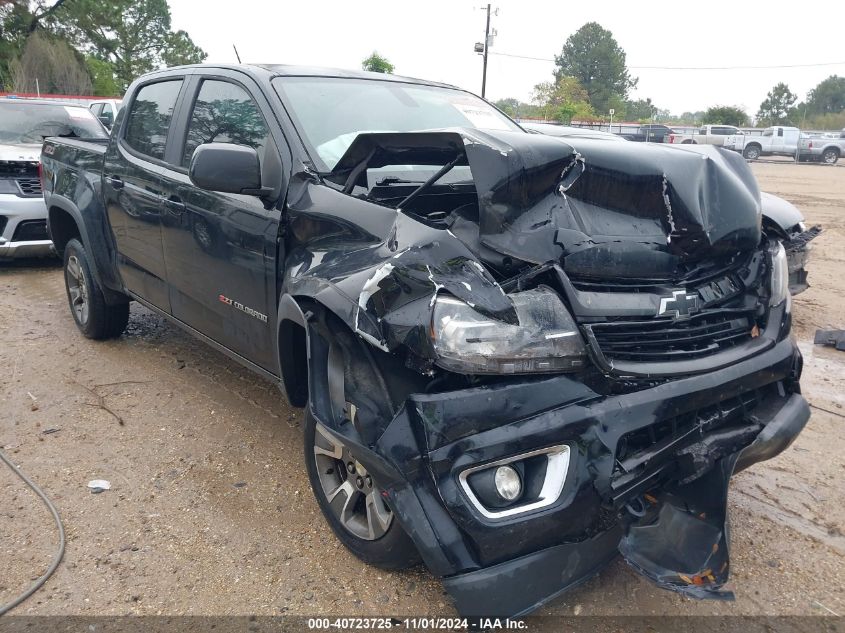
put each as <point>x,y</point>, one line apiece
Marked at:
<point>748,411</point>
<point>14,211</point>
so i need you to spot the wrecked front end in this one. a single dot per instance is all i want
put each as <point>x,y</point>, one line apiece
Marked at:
<point>592,340</point>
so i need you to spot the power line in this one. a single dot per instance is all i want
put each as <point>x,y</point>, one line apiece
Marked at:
<point>551,59</point>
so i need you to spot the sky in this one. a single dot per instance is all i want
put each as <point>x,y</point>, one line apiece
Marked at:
<point>433,39</point>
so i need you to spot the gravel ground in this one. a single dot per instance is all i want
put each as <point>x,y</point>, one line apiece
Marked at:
<point>210,511</point>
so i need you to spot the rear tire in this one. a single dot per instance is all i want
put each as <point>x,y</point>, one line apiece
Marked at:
<point>830,156</point>
<point>752,152</point>
<point>95,318</point>
<point>348,497</point>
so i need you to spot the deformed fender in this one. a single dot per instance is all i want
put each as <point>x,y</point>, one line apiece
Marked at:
<point>782,212</point>
<point>382,279</point>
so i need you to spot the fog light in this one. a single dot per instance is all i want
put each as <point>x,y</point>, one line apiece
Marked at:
<point>508,483</point>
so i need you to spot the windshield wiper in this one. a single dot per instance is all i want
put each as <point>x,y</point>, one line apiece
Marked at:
<point>427,184</point>
<point>394,180</point>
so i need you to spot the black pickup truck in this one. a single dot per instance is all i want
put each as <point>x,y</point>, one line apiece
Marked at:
<point>518,355</point>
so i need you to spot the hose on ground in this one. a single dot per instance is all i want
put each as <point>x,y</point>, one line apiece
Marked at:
<point>35,586</point>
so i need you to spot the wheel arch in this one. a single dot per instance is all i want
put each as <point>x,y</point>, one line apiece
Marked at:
<point>64,223</point>
<point>292,348</point>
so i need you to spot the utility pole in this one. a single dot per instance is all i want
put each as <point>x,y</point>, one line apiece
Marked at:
<point>486,46</point>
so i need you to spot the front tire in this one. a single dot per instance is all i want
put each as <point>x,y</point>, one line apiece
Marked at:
<point>95,318</point>
<point>349,497</point>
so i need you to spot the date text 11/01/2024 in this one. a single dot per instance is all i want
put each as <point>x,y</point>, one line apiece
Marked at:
<point>417,624</point>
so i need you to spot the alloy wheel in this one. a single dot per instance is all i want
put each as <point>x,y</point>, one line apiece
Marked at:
<point>77,286</point>
<point>352,495</point>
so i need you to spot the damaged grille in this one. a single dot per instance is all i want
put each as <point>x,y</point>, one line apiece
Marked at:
<point>661,340</point>
<point>643,455</point>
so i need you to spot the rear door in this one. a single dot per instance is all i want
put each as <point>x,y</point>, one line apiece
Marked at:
<point>133,187</point>
<point>221,248</point>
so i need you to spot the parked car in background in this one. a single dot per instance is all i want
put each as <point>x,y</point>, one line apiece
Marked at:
<point>777,140</point>
<point>648,133</point>
<point>106,110</point>
<point>821,148</point>
<point>24,124</point>
<point>706,135</point>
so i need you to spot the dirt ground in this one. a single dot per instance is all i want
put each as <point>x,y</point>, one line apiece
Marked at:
<point>210,511</point>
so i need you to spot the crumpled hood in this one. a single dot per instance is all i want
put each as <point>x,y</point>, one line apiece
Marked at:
<point>23,152</point>
<point>591,203</point>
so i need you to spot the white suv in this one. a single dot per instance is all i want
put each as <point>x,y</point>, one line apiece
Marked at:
<point>24,124</point>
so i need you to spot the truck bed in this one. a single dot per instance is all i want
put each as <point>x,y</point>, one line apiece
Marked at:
<point>75,145</point>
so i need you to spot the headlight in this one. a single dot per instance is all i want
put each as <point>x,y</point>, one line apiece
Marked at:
<point>779,276</point>
<point>545,340</point>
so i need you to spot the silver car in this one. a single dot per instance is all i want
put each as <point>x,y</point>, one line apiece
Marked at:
<point>24,124</point>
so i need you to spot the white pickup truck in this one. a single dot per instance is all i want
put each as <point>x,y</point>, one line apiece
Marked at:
<point>706,135</point>
<point>824,148</point>
<point>777,140</point>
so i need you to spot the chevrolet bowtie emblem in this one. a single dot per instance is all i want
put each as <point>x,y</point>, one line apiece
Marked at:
<point>679,304</point>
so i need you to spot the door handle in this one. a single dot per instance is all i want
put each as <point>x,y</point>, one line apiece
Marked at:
<point>174,205</point>
<point>115,182</point>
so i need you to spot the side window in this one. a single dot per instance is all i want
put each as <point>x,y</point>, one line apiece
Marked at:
<point>767,132</point>
<point>97,109</point>
<point>703,131</point>
<point>780,131</point>
<point>225,113</point>
<point>149,118</point>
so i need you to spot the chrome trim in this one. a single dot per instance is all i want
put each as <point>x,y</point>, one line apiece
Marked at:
<point>556,469</point>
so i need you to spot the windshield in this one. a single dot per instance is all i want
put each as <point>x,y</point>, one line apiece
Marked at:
<point>331,111</point>
<point>22,122</point>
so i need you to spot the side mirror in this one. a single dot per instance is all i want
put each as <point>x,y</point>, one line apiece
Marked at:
<point>227,168</point>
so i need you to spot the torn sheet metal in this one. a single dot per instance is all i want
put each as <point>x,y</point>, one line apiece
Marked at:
<point>382,274</point>
<point>682,543</point>
<point>540,199</point>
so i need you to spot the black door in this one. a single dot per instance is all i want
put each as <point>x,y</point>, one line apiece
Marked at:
<point>134,188</point>
<point>220,248</point>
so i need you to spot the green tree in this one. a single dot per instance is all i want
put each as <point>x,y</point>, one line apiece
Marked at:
<point>509,106</point>
<point>640,110</point>
<point>15,18</point>
<point>725,115</point>
<point>592,56</point>
<point>179,50</point>
<point>375,63</point>
<point>102,77</point>
<point>690,118</point>
<point>49,65</point>
<point>777,105</point>
<point>828,97</point>
<point>133,35</point>
<point>562,100</point>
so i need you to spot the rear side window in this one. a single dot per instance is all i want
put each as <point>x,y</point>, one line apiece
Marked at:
<point>225,113</point>
<point>149,118</point>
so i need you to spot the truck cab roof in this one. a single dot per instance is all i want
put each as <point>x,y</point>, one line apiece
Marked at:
<point>268,71</point>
